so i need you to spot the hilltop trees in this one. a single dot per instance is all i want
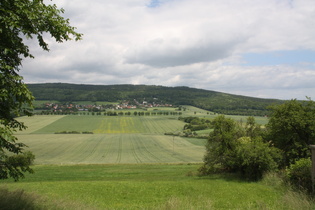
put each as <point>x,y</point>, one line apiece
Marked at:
<point>20,20</point>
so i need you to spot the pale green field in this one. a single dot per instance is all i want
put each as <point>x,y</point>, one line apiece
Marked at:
<point>38,122</point>
<point>116,139</point>
<point>102,124</point>
<point>111,149</point>
<point>196,112</point>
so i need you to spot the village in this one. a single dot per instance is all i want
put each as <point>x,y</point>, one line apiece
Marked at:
<point>97,106</point>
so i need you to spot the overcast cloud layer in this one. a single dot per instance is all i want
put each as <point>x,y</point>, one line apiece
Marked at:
<point>235,46</point>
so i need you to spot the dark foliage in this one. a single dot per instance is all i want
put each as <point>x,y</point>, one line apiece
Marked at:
<point>299,175</point>
<point>291,128</point>
<point>231,148</point>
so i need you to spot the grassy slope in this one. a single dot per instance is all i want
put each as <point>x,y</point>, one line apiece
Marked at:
<point>145,186</point>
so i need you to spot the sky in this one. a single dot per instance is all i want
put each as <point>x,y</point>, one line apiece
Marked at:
<point>256,48</point>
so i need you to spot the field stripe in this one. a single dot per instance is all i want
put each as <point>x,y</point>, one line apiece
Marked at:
<point>119,150</point>
<point>37,122</point>
<point>134,150</point>
<point>145,152</point>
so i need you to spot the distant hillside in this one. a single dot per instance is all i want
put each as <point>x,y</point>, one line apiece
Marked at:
<point>210,100</point>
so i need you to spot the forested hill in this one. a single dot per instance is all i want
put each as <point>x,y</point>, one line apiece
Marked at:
<point>210,100</point>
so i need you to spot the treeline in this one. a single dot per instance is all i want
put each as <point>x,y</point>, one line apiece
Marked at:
<point>210,100</point>
<point>110,113</point>
<point>74,132</point>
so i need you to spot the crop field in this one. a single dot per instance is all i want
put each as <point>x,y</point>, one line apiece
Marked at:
<point>102,124</point>
<point>111,148</point>
<point>126,162</point>
<point>116,139</point>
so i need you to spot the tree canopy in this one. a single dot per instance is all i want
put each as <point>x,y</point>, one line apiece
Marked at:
<point>252,150</point>
<point>21,20</point>
<point>291,128</point>
<point>233,148</point>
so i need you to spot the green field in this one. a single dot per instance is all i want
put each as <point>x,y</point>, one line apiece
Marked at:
<point>115,140</point>
<point>111,148</point>
<point>46,124</point>
<point>128,163</point>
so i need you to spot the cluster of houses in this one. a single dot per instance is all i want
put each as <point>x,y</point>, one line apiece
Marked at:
<point>70,107</point>
<point>136,104</point>
<point>74,107</point>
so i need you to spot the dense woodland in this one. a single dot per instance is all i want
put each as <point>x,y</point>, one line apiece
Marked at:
<point>218,102</point>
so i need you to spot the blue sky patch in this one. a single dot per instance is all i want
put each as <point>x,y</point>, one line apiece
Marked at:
<point>157,3</point>
<point>154,3</point>
<point>293,57</point>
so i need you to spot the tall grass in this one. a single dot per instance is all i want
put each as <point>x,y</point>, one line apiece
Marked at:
<point>22,200</point>
<point>18,199</point>
<point>290,199</point>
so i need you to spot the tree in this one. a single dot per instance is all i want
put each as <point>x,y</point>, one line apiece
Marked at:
<point>252,129</point>
<point>222,144</point>
<point>20,20</point>
<point>230,148</point>
<point>254,158</point>
<point>291,128</point>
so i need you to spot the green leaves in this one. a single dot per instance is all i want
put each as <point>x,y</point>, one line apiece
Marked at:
<point>15,166</point>
<point>232,148</point>
<point>291,128</point>
<point>20,19</point>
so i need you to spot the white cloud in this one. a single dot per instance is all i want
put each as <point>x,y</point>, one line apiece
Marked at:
<point>182,42</point>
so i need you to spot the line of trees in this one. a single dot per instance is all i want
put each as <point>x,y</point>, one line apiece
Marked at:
<point>110,113</point>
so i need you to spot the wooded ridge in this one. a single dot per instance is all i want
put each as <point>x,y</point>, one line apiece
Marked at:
<point>218,102</point>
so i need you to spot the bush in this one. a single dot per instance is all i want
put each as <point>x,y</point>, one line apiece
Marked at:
<point>61,132</point>
<point>87,132</point>
<point>73,132</point>
<point>255,158</point>
<point>68,132</point>
<point>299,174</point>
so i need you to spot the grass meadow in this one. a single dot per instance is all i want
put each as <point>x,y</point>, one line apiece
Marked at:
<point>141,186</point>
<point>128,163</point>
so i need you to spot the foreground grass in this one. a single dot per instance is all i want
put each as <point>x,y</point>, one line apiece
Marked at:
<point>141,187</point>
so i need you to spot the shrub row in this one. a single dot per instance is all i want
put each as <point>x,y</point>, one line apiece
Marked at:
<point>74,132</point>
